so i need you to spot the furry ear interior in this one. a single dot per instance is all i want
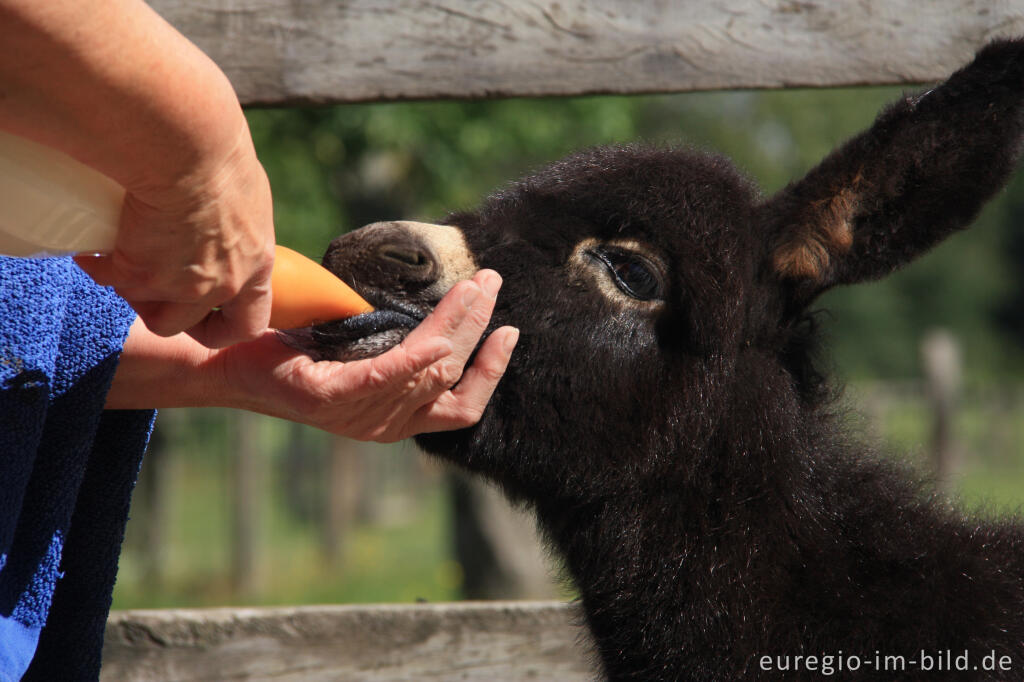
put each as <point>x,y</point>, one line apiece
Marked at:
<point>823,231</point>
<point>922,171</point>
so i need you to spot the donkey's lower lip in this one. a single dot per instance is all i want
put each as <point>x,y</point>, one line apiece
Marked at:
<point>341,332</point>
<point>355,338</point>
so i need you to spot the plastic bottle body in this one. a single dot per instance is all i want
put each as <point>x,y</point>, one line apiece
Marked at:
<point>51,204</point>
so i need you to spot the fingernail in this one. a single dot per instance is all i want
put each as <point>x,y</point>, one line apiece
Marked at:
<point>491,285</point>
<point>510,341</point>
<point>470,295</point>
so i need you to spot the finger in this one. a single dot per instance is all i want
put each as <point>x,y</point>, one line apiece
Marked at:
<point>489,365</point>
<point>393,373</point>
<point>168,319</point>
<point>465,337</point>
<point>241,319</point>
<point>429,342</point>
<point>464,405</point>
<point>448,315</point>
<point>418,370</point>
<point>464,333</point>
<point>407,359</point>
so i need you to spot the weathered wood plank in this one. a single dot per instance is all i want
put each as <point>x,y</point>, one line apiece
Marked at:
<point>302,51</point>
<point>465,641</point>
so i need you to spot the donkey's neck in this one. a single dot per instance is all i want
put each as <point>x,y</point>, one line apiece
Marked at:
<point>672,582</point>
<point>826,553</point>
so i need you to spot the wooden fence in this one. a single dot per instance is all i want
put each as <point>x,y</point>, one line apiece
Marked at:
<point>333,51</point>
<point>324,51</point>
<point>466,641</point>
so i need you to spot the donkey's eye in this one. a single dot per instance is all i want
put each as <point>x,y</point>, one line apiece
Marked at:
<point>632,273</point>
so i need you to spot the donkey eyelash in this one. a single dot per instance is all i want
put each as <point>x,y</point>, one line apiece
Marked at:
<point>632,273</point>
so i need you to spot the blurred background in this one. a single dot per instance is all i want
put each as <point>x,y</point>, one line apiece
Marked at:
<point>235,508</point>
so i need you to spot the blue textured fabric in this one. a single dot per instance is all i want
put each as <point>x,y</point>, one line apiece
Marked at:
<point>67,467</point>
<point>18,644</point>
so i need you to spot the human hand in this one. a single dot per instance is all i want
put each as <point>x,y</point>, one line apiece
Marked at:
<point>421,385</point>
<point>418,386</point>
<point>204,242</point>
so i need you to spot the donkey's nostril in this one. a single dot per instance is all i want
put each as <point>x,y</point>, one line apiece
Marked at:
<point>407,256</point>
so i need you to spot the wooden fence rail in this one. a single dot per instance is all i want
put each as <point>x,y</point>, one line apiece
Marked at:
<point>321,51</point>
<point>483,641</point>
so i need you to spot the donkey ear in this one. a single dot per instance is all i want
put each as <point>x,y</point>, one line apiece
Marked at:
<point>922,171</point>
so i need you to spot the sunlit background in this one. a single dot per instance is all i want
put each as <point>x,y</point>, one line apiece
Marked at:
<point>234,508</point>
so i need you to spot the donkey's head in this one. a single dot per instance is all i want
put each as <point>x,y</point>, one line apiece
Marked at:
<point>661,300</point>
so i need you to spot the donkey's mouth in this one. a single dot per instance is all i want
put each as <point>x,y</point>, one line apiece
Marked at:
<point>358,337</point>
<point>402,269</point>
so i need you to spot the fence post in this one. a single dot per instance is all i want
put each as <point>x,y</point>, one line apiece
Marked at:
<point>940,355</point>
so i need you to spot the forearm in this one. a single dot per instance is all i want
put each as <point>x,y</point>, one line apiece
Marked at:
<point>114,85</point>
<point>157,371</point>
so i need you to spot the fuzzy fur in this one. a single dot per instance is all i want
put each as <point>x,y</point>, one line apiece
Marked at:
<point>686,460</point>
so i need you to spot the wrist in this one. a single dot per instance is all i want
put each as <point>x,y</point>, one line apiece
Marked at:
<point>183,135</point>
<point>203,169</point>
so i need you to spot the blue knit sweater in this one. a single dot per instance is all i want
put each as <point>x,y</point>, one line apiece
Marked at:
<point>67,467</point>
